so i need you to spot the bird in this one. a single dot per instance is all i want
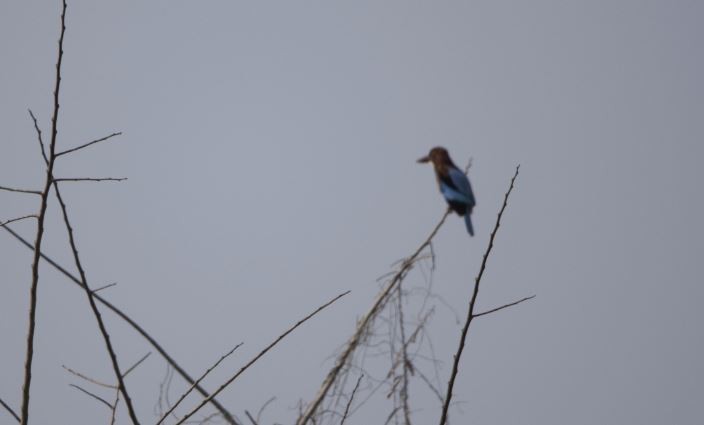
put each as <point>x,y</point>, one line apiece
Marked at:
<point>454,184</point>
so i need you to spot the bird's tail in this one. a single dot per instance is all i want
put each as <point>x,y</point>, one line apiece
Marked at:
<point>468,222</point>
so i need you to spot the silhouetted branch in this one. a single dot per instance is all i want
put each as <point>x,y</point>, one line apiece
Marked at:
<point>349,402</point>
<point>226,414</point>
<point>258,356</point>
<point>137,363</point>
<point>2,223</point>
<point>94,307</point>
<point>183,396</point>
<point>109,285</point>
<point>470,313</point>
<point>264,406</point>
<point>9,409</point>
<point>89,144</point>
<point>100,399</point>
<point>12,189</point>
<point>493,310</point>
<point>251,419</point>
<point>90,179</point>
<point>40,230</point>
<point>39,136</point>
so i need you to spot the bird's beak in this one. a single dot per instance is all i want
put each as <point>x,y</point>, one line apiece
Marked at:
<point>423,160</point>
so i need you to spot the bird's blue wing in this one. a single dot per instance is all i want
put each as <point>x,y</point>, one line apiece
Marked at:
<point>462,190</point>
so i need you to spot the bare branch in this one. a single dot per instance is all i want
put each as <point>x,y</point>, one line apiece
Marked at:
<point>258,356</point>
<point>2,223</point>
<point>100,399</point>
<point>40,230</point>
<point>349,402</point>
<point>183,396</point>
<point>12,189</point>
<point>406,362</point>
<point>264,406</point>
<point>88,378</point>
<point>9,409</point>
<point>108,137</point>
<point>251,419</point>
<point>470,313</point>
<point>94,307</point>
<point>109,285</point>
<point>493,310</point>
<point>170,360</point>
<point>39,136</point>
<point>90,179</point>
<point>137,363</point>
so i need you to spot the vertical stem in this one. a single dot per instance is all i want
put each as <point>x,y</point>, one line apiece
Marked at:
<point>40,232</point>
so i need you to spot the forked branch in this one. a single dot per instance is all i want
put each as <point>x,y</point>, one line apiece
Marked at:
<point>472,301</point>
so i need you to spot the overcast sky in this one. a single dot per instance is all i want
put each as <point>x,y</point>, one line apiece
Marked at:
<point>270,149</point>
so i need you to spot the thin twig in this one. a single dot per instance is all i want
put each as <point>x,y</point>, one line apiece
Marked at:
<point>109,285</point>
<point>184,395</point>
<point>349,402</point>
<point>2,223</point>
<point>9,409</point>
<point>261,409</point>
<point>100,399</point>
<point>170,360</point>
<point>251,419</point>
<point>89,144</point>
<point>113,414</point>
<point>12,189</point>
<point>40,230</point>
<point>137,363</point>
<point>470,312</point>
<point>88,378</point>
<point>39,136</point>
<point>94,308</point>
<point>493,310</point>
<point>90,179</point>
<point>258,356</point>
<point>404,356</point>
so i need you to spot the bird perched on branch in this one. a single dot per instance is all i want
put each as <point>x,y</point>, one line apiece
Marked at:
<point>454,184</point>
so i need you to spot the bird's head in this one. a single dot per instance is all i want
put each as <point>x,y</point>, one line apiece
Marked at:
<point>438,156</point>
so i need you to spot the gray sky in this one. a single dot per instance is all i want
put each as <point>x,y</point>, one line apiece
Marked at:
<point>270,149</point>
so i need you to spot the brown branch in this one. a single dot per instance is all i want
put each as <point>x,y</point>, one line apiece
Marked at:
<point>100,399</point>
<point>226,414</point>
<point>39,136</point>
<point>88,378</point>
<point>258,356</point>
<point>90,179</point>
<point>183,396</point>
<point>2,223</point>
<point>89,144</point>
<point>470,313</point>
<point>9,409</point>
<point>493,310</point>
<point>94,308</point>
<point>40,231</point>
<point>12,189</point>
<point>349,402</point>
